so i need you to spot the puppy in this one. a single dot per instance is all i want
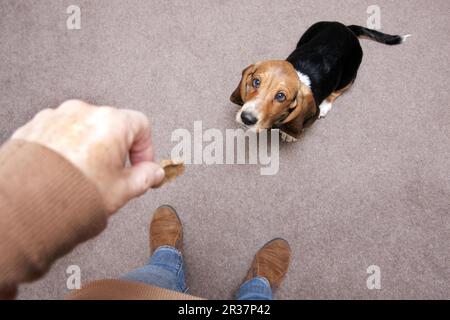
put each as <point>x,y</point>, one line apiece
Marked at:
<point>284,94</point>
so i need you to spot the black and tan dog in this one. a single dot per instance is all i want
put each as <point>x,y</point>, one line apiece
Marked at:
<point>284,94</point>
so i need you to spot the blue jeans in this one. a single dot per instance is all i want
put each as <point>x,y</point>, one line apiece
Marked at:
<point>165,269</point>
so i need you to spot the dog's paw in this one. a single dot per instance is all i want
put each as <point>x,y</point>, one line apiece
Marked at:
<point>287,138</point>
<point>324,107</point>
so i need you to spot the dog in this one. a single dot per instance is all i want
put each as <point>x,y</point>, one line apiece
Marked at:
<point>284,94</point>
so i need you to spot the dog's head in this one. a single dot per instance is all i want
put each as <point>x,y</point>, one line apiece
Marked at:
<point>271,95</point>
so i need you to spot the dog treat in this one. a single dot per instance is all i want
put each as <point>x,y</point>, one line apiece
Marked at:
<point>172,169</point>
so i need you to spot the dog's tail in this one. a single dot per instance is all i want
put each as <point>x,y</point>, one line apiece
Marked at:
<point>378,36</point>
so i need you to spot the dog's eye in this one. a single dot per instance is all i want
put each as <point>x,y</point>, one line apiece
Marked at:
<point>280,97</point>
<point>256,83</point>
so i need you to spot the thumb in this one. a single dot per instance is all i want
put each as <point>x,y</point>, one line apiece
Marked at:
<point>142,176</point>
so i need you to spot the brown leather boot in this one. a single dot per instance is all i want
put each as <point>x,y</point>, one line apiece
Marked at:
<point>166,229</point>
<point>271,262</point>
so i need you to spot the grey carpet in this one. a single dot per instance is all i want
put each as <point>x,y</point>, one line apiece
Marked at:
<point>367,185</point>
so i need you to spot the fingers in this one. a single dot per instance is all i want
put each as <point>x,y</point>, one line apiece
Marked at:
<point>141,177</point>
<point>140,140</point>
<point>144,173</point>
<point>142,148</point>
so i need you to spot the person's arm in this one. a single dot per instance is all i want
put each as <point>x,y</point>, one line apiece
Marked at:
<point>61,176</point>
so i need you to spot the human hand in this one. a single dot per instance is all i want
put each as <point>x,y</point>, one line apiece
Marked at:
<point>98,141</point>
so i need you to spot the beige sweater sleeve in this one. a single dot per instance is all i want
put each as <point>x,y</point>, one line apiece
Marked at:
<point>47,207</point>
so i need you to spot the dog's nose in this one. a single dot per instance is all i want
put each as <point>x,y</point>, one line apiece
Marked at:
<point>248,119</point>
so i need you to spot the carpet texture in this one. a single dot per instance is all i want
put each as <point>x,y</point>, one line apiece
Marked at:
<point>368,185</point>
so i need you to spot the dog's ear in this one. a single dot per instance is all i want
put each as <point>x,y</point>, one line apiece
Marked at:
<point>239,94</point>
<point>303,112</point>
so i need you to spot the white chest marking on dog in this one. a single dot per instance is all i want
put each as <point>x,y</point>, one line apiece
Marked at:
<point>324,107</point>
<point>304,78</point>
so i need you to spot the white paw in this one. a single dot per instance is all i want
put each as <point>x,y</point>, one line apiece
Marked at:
<point>287,138</point>
<point>325,107</point>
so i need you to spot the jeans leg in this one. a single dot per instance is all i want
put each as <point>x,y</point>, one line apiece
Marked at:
<point>255,289</point>
<point>165,269</point>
